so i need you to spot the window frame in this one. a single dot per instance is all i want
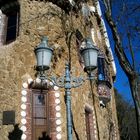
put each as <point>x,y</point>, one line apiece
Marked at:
<point>46,118</point>
<point>7,17</point>
<point>8,29</point>
<point>89,123</point>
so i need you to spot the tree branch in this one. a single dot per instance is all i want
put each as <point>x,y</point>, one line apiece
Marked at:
<point>124,62</point>
<point>134,10</point>
<point>108,5</point>
<point>131,51</point>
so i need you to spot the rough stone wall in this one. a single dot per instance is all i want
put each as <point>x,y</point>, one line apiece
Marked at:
<point>38,18</point>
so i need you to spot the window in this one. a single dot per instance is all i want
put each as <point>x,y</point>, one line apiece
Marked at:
<point>12,26</point>
<point>89,124</point>
<point>40,112</point>
<point>10,21</point>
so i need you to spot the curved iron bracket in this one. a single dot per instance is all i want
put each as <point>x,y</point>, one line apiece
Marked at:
<point>60,81</point>
<point>77,81</point>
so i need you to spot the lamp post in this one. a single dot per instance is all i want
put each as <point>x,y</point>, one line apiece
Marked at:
<point>89,54</point>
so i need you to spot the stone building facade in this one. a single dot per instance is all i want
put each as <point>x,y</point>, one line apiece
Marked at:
<point>41,110</point>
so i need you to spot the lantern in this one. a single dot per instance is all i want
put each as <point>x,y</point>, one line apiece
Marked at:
<point>43,55</point>
<point>89,55</point>
<point>104,85</point>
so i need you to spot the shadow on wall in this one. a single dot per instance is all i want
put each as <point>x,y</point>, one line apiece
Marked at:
<point>16,133</point>
<point>44,136</point>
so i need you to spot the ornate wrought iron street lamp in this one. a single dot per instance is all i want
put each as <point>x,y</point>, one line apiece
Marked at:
<point>43,56</point>
<point>89,54</point>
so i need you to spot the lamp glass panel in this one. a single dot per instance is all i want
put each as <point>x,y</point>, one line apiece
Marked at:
<point>101,73</point>
<point>90,58</point>
<point>43,57</point>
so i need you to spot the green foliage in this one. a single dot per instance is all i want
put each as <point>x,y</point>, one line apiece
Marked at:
<point>126,118</point>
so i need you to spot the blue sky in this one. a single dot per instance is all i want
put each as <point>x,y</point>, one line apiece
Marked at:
<point>121,82</point>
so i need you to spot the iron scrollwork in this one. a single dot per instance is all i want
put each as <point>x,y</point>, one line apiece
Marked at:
<point>77,81</point>
<point>60,81</point>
